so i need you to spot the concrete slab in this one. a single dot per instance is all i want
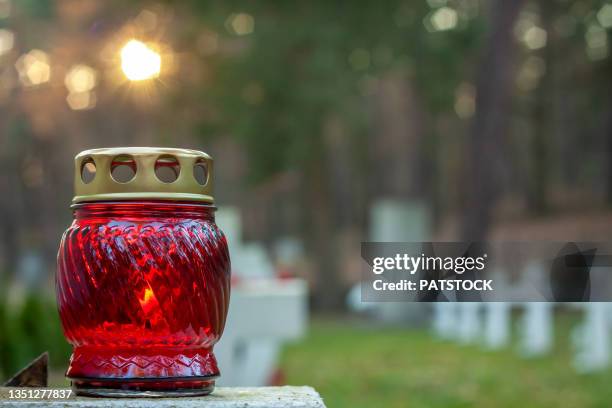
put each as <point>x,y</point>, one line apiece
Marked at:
<point>222,397</point>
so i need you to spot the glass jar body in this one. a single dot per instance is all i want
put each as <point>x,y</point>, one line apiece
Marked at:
<point>143,291</point>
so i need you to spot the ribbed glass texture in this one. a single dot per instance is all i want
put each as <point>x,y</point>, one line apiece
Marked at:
<point>143,290</point>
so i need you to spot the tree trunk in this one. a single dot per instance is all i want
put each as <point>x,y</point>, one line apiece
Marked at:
<point>542,123</point>
<point>397,155</point>
<point>608,134</point>
<point>320,231</point>
<point>493,96</point>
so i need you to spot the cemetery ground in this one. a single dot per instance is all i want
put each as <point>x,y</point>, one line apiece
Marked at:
<point>357,364</point>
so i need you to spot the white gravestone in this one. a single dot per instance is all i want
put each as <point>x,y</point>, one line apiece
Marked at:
<point>263,311</point>
<point>497,319</point>
<point>262,315</point>
<point>445,320</point>
<point>536,329</point>
<point>497,324</point>
<point>537,323</point>
<point>399,221</point>
<point>591,339</point>
<point>470,323</point>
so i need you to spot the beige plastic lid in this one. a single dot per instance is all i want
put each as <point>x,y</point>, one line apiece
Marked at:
<point>133,173</point>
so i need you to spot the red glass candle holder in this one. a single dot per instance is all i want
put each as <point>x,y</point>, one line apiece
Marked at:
<point>143,282</point>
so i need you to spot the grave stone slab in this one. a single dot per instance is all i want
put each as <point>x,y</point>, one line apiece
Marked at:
<point>246,397</point>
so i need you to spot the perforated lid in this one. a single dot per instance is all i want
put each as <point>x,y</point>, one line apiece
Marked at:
<point>133,173</point>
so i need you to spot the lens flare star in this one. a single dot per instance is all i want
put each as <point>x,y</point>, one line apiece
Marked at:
<point>140,62</point>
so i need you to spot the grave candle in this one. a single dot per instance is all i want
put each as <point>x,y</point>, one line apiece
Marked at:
<point>143,276</point>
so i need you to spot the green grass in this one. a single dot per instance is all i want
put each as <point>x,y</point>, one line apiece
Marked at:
<point>27,331</point>
<point>359,366</point>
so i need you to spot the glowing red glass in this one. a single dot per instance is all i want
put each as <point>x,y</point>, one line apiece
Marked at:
<point>143,290</point>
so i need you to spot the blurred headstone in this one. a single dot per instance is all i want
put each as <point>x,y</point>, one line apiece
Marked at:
<point>469,322</point>
<point>263,311</point>
<point>591,339</point>
<point>288,250</point>
<point>497,324</point>
<point>262,315</point>
<point>251,261</point>
<point>445,320</point>
<point>536,329</point>
<point>497,314</point>
<point>355,304</point>
<point>31,270</point>
<point>536,325</point>
<point>248,260</point>
<point>228,219</point>
<point>400,221</point>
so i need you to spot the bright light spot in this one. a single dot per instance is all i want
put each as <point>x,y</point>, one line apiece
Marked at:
<point>597,42</point>
<point>465,100</point>
<point>139,62</point>
<point>359,59</point>
<point>535,37</point>
<point>149,302</point>
<point>444,19</point>
<point>604,16</point>
<point>528,31</point>
<point>81,100</point>
<point>596,37</point>
<point>241,23</point>
<point>33,68</point>
<point>530,73</point>
<point>80,78</point>
<point>7,40</point>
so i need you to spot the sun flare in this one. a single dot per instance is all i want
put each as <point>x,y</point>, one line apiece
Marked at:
<point>140,62</point>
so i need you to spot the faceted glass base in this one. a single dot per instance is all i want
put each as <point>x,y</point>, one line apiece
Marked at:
<point>144,372</point>
<point>168,388</point>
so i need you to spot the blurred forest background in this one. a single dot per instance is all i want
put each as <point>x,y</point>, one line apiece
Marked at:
<point>495,115</point>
